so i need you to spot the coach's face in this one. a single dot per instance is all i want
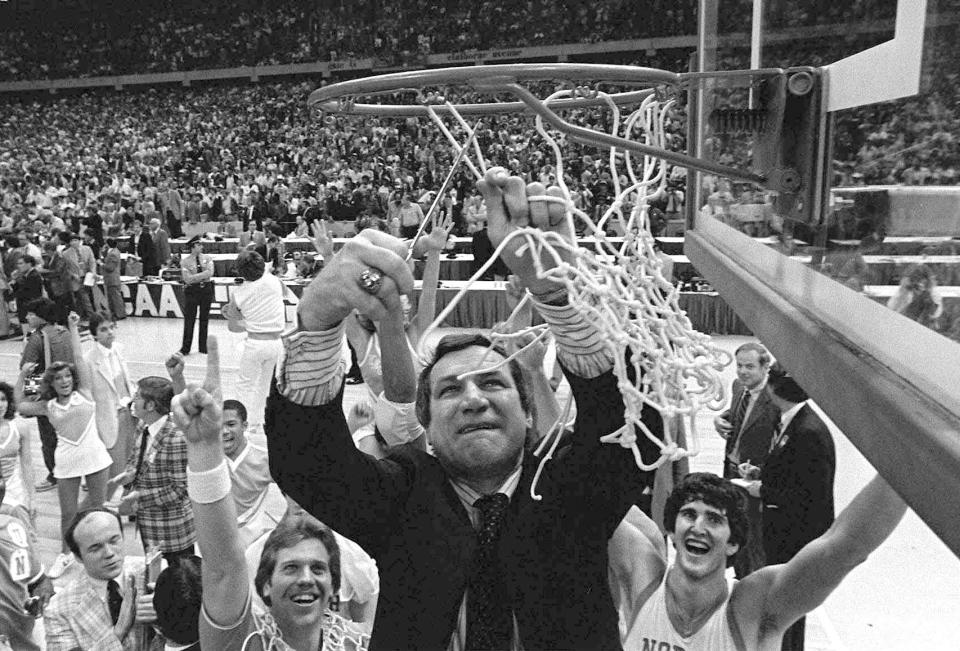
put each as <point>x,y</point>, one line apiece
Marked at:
<point>477,423</point>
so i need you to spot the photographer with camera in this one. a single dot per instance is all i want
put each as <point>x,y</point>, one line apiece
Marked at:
<point>917,297</point>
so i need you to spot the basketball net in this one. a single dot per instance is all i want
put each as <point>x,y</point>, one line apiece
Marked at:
<point>620,288</point>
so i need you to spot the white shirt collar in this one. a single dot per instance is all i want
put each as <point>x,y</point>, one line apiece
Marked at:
<point>787,417</point>
<point>468,495</point>
<point>157,425</point>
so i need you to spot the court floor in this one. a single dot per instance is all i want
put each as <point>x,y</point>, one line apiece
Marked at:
<point>906,596</point>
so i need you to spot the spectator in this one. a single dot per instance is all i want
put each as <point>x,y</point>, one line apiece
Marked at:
<point>47,343</point>
<point>112,390</point>
<point>748,425</point>
<point>27,286</point>
<point>16,462</point>
<point>154,482</point>
<point>177,601</point>
<point>80,452</point>
<point>111,280</point>
<point>161,242</point>
<point>98,609</point>
<point>256,308</point>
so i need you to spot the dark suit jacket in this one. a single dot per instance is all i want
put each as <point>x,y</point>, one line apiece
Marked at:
<point>148,254</point>
<point>28,287</point>
<point>161,241</point>
<point>797,488</point>
<point>754,435</point>
<point>403,511</point>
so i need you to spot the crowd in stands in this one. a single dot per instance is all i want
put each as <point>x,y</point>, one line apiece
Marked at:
<point>166,37</point>
<point>81,40</point>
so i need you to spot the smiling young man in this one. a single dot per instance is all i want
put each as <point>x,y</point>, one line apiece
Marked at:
<point>468,559</point>
<point>299,571</point>
<point>693,606</point>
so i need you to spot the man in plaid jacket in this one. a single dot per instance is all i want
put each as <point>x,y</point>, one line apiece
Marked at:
<point>156,475</point>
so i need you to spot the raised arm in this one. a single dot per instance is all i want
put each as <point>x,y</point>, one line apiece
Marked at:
<point>196,410</point>
<point>614,480</point>
<point>433,242</point>
<point>312,456</point>
<point>784,593</point>
<point>83,367</point>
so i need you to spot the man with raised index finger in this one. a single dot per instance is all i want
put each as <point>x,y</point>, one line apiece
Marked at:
<point>468,559</point>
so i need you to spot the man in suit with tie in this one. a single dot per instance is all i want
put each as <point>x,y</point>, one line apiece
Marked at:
<point>156,475</point>
<point>161,242</point>
<point>796,484</point>
<point>112,391</point>
<point>748,426</point>
<point>100,607</point>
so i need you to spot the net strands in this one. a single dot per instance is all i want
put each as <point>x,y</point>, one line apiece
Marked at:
<point>338,635</point>
<point>621,289</point>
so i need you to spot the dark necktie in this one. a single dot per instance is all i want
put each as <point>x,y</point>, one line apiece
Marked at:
<point>742,409</point>
<point>489,622</point>
<point>114,600</point>
<point>144,437</point>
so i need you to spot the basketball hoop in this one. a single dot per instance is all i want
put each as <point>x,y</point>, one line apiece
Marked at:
<point>620,287</point>
<point>342,98</point>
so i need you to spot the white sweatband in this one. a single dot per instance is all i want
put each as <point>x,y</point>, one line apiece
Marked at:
<point>209,486</point>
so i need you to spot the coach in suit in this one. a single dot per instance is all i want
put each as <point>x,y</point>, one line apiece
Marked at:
<point>468,559</point>
<point>156,475</point>
<point>99,608</point>
<point>797,480</point>
<point>748,426</point>
<point>161,242</point>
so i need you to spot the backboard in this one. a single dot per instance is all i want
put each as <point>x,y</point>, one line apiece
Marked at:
<point>811,272</point>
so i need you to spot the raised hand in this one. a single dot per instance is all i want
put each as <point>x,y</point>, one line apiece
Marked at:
<point>322,241</point>
<point>436,239</point>
<point>360,414</point>
<point>338,289</point>
<point>509,210</point>
<point>129,503</point>
<point>175,365</point>
<point>73,320</point>
<point>197,410</point>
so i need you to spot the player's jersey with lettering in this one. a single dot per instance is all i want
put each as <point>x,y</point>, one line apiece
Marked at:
<point>652,629</point>
<point>18,567</point>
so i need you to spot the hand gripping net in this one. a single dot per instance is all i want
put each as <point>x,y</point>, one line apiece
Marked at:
<point>621,288</point>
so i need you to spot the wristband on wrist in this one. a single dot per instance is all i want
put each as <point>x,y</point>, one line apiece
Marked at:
<point>209,486</point>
